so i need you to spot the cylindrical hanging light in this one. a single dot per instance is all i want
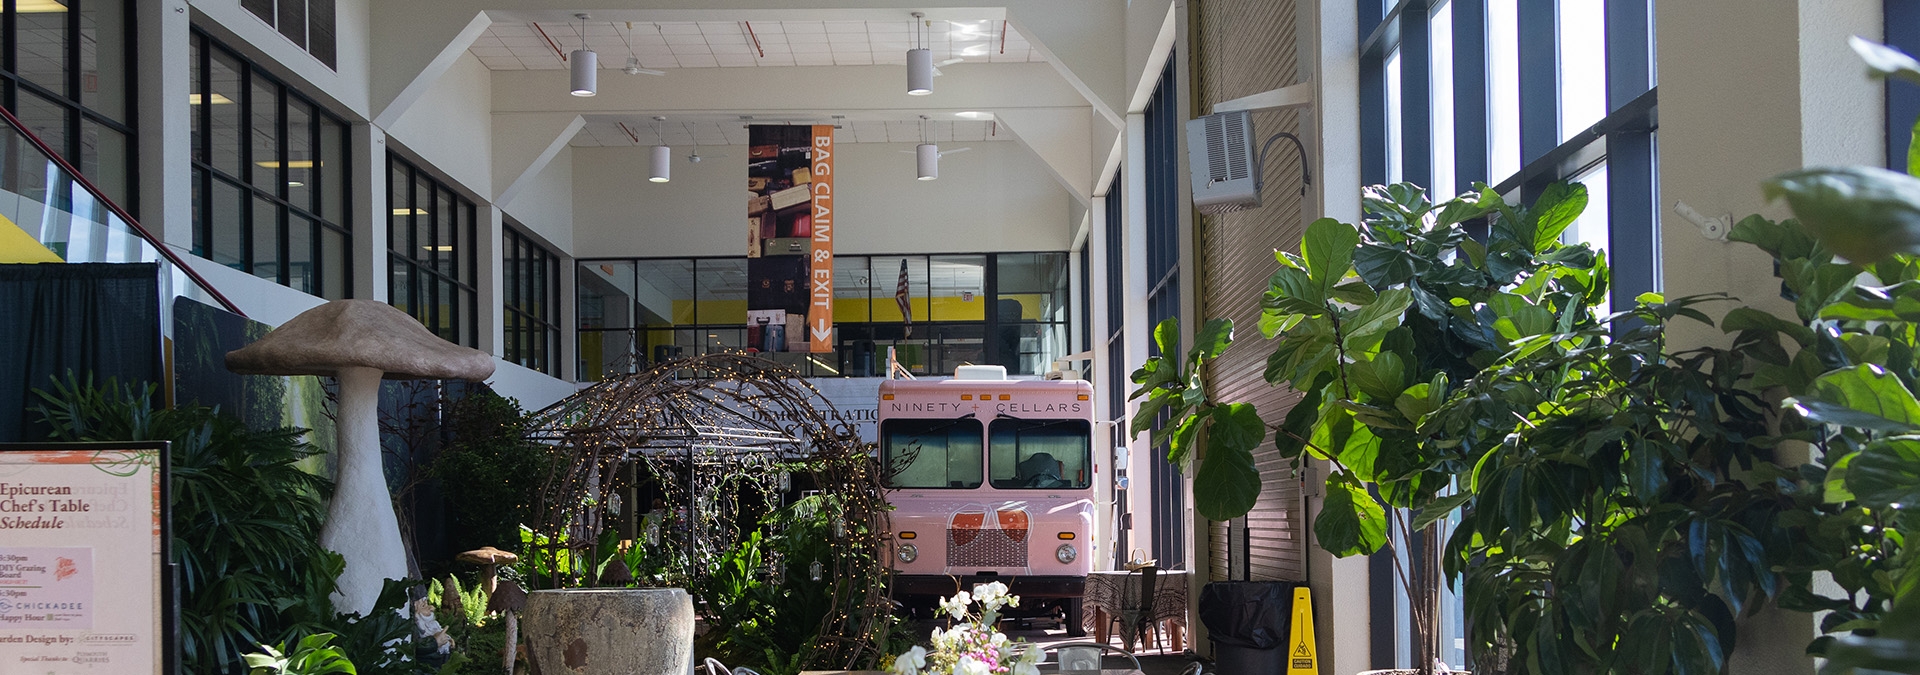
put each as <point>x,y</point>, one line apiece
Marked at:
<point>662,164</point>
<point>920,71</point>
<point>928,158</point>
<point>919,61</point>
<point>586,72</point>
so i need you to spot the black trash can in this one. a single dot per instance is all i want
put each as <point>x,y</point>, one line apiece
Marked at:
<point>1248,622</point>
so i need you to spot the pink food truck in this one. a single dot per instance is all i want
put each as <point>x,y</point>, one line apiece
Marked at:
<point>991,479</point>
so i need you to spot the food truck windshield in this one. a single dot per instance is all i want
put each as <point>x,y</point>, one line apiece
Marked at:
<point>1050,454</point>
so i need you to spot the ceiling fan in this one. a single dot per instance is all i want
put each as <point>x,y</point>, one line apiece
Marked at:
<point>633,61</point>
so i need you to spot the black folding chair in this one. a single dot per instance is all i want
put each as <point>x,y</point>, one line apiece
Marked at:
<point>1136,608</point>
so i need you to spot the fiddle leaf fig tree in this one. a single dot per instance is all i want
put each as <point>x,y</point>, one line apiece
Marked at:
<point>1375,324</point>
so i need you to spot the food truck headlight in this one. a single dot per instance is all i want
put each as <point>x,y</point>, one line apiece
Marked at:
<point>907,552</point>
<point>1066,553</point>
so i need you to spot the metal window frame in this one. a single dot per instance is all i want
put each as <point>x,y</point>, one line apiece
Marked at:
<point>11,83</point>
<point>990,322</point>
<point>285,209</point>
<point>424,306</point>
<point>306,20</point>
<point>516,297</point>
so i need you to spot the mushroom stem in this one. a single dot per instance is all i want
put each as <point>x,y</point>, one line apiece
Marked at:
<point>513,638</point>
<point>360,525</point>
<point>489,578</point>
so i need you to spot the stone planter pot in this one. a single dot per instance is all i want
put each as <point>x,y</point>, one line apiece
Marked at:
<point>612,631</point>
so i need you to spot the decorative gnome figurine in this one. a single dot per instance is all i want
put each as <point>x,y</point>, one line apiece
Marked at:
<point>432,645</point>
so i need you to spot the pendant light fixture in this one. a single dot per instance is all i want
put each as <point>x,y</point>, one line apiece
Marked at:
<point>585,64</point>
<point>927,155</point>
<point>919,60</point>
<point>662,163</point>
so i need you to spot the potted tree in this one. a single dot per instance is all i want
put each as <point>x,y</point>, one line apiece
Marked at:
<point>1376,325</point>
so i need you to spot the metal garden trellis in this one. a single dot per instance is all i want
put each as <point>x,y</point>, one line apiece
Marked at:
<point>707,428</point>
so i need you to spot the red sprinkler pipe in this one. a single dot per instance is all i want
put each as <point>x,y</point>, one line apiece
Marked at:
<point>550,43</point>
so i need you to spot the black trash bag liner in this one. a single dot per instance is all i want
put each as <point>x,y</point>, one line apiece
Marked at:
<point>1249,614</point>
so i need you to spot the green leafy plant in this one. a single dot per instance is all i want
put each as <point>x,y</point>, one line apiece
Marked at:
<point>1374,325</point>
<point>246,518</point>
<point>309,656</point>
<point>489,474</point>
<point>246,523</point>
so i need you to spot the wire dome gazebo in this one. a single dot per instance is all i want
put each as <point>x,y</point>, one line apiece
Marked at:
<point>717,435</point>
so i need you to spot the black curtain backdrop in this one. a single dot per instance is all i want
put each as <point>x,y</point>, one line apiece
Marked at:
<point>98,320</point>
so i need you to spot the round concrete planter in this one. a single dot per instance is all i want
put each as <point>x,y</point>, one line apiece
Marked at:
<point>614,631</point>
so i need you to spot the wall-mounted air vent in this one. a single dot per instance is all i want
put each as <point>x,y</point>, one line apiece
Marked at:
<point>1221,154</point>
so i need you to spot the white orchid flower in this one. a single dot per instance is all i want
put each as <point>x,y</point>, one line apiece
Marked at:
<point>957,606</point>
<point>971,666</point>
<point>911,662</point>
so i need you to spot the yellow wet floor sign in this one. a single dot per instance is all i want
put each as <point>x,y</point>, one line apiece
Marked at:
<point>1302,657</point>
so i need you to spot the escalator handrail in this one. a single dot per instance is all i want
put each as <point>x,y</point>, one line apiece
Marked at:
<point>125,217</point>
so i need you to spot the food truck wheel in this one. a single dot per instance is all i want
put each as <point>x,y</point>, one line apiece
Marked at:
<point>1075,625</point>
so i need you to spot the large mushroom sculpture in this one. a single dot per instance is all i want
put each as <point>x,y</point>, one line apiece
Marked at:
<point>359,342</point>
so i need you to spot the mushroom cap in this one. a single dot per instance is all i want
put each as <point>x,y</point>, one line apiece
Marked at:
<point>508,597</point>
<point>487,556</point>
<point>362,334</point>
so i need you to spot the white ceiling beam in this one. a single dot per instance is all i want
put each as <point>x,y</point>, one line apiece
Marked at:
<point>524,144</point>
<point>1059,136</point>
<point>809,92</point>
<point>413,46</point>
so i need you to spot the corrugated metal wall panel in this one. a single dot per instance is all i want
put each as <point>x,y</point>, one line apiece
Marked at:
<point>1244,47</point>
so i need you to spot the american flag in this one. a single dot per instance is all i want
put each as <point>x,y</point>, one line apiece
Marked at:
<point>902,296</point>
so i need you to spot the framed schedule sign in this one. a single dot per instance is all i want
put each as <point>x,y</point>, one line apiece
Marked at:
<point>84,576</point>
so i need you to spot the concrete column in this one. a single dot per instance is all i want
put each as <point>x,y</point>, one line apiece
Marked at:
<point>491,280</point>
<point>567,350</point>
<point>162,71</point>
<point>1103,389</point>
<point>1804,99</point>
<point>1139,331</point>
<point>1340,585</point>
<point>370,212</point>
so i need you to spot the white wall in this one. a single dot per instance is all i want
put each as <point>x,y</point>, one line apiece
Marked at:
<point>996,197</point>
<point>451,127</point>
<point>546,205</point>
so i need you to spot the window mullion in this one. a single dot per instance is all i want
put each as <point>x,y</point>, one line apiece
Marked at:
<point>1539,79</point>
<point>1470,94</point>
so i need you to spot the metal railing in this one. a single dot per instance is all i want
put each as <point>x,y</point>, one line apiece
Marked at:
<point>42,194</point>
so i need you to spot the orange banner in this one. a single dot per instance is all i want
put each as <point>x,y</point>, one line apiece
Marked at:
<point>820,308</point>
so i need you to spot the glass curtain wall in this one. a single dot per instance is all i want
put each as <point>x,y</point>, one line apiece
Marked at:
<point>270,191</point>
<point>1516,94</point>
<point>1006,308</point>
<point>532,302</point>
<point>65,72</point>
<point>431,254</point>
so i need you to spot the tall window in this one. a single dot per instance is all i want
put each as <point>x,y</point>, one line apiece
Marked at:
<point>1517,94</point>
<point>1163,122</point>
<point>65,68</point>
<point>308,23</point>
<point>430,253</point>
<point>269,176</point>
<point>532,303</point>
